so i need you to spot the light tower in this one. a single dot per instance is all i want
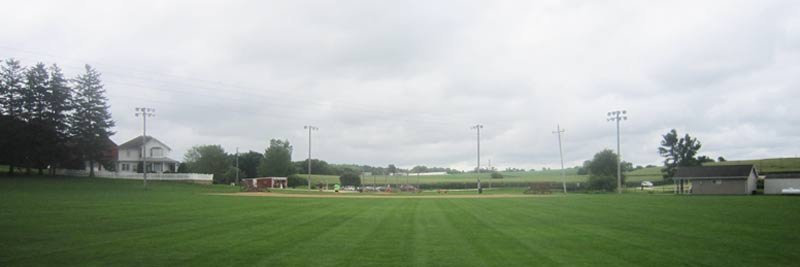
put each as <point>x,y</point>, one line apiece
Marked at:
<point>145,112</point>
<point>617,116</point>
<point>310,128</point>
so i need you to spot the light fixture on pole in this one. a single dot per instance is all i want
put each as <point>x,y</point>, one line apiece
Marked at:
<point>479,127</point>
<point>145,112</point>
<point>310,128</point>
<point>559,131</point>
<point>617,116</point>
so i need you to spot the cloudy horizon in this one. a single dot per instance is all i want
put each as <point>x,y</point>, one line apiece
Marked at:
<point>402,82</point>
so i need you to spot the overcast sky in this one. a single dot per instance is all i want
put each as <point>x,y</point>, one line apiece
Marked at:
<point>402,82</point>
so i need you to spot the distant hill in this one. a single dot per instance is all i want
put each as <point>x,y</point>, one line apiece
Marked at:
<point>766,165</point>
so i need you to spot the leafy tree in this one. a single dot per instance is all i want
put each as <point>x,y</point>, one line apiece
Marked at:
<point>317,167</point>
<point>704,159</point>
<point>91,122</point>
<point>584,170</point>
<point>678,152</point>
<point>496,175</point>
<point>419,169</point>
<point>350,178</point>
<point>626,166</point>
<point>391,169</point>
<point>248,163</point>
<point>295,180</point>
<point>209,159</point>
<point>603,171</point>
<point>277,161</point>
<point>721,159</point>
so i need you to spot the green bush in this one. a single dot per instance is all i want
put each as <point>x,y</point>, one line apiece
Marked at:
<point>295,180</point>
<point>497,175</point>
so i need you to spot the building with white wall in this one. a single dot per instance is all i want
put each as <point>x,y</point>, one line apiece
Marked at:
<point>129,156</point>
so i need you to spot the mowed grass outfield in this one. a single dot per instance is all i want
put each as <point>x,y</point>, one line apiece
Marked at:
<point>99,222</point>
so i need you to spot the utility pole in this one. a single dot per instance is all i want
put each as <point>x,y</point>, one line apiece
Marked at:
<point>237,165</point>
<point>561,154</point>
<point>145,112</point>
<point>617,116</point>
<point>479,127</point>
<point>309,127</point>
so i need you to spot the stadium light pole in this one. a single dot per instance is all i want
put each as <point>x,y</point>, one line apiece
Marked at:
<point>310,128</point>
<point>561,154</point>
<point>478,127</point>
<point>144,112</point>
<point>617,116</point>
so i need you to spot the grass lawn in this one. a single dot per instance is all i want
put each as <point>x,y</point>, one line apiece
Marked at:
<point>99,222</point>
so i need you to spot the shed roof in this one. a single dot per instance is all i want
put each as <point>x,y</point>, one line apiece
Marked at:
<point>715,172</point>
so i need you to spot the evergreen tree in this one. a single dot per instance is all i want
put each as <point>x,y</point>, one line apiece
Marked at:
<point>39,136</point>
<point>90,123</point>
<point>59,104</point>
<point>11,85</point>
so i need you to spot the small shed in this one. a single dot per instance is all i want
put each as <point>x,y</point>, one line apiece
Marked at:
<point>781,183</point>
<point>254,184</point>
<point>717,180</point>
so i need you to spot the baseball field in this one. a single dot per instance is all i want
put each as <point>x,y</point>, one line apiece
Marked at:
<point>98,222</point>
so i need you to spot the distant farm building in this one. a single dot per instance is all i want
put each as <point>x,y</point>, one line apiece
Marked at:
<point>255,184</point>
<point>782,183</point>
<point>716,180</point>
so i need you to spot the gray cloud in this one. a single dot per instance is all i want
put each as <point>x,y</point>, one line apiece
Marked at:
<point>403,82</point>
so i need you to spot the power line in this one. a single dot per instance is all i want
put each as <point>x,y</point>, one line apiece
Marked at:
<point>559,131</point>
<point>144,112</point>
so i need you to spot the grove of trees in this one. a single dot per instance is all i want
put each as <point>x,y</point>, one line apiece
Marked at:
<point>51,121</point>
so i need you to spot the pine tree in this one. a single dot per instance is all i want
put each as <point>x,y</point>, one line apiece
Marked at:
<point>11,84</point>
<point>38,134</point>
<point>59,104</point>
<point>90,123</point>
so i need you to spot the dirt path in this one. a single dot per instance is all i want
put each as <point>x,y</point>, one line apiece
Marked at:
<point>264,194</point>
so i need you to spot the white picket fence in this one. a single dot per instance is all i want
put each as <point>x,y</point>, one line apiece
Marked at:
<point>187,177</point>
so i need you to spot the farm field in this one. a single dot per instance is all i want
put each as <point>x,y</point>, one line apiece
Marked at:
<point>100,222</point>
<point>766,165</point>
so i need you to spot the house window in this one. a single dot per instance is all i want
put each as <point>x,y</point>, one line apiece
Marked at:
<point>126,167</point>
<point>156,152</point>
<point>127,153</point>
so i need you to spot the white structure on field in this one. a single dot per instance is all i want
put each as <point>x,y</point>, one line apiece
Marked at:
<point>129,156</point>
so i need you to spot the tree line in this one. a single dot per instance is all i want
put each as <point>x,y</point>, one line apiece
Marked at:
<point>50,121</point>
<point>276,161</point>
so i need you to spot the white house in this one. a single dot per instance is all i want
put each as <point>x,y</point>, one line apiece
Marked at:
<point>129,156</point>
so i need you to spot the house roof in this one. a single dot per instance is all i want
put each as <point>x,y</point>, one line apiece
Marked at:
<point>137,142</point>
<point>785,175</point>
<point>715,172</point>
